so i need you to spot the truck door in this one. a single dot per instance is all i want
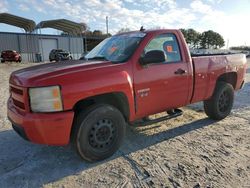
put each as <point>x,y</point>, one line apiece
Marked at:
<point>165,85</point>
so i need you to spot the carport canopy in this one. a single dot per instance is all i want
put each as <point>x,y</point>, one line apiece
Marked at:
<point>64,25</point>
<point>27,24</point>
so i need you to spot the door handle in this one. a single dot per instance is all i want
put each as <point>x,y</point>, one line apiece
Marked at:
<point>180,71</point>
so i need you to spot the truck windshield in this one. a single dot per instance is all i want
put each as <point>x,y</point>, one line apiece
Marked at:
<point>117,48</point>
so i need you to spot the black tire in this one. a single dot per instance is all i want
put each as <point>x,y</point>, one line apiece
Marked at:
<point>2,61</point>
<point>170,112</point>
<point>147,118</point>
<point>220,104</point>
<point>19,60</point>
<point>99,132</point>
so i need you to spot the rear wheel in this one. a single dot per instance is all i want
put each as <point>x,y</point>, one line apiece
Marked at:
<point>2,61</point>
<point>220,104</point>
<point>99,132</point>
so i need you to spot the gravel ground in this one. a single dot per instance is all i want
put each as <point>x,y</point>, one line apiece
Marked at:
<point>189,151</point>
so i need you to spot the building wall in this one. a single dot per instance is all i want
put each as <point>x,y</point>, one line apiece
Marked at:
<point>28,44</point>
<point>8,41</point>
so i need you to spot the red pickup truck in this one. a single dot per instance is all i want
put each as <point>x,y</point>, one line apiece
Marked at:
<point>127,77</point>
<point>10,55</point>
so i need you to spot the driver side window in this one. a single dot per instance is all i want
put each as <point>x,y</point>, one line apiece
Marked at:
<point>166,43</point>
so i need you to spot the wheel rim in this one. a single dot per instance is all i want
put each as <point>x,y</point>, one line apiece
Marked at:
<point>224,101</point>
<point>102,133</point>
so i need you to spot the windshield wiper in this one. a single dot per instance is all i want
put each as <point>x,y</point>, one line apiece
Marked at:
<point>98,58</point>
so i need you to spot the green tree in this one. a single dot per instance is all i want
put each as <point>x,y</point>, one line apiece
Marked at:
<point>192,37</point>
<point>64,33</point>
<point>97,33</point>
<point>210,39</point>
<point>123,30</point>
<point>84,26</point>
<point>206,39</point>
<point>184,32</point>
<point>247,48</point>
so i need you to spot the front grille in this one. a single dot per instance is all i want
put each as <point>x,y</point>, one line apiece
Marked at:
<point>17,96</point>
<point>16,90</point>
<point>18,104</point>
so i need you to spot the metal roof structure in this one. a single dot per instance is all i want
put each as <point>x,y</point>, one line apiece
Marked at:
<point>67,26</point>
<point>27,24</point>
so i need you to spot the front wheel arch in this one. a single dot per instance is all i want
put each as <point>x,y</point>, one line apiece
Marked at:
<point>117,99</point>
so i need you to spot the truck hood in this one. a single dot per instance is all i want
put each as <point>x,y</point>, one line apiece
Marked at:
<point>30,76</point>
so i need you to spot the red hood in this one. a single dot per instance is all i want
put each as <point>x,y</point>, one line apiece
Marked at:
<point>33,76</point>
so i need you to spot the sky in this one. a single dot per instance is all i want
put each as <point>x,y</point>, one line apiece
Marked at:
<point>230,18</point>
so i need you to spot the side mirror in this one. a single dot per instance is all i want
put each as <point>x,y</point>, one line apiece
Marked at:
<point>153,56</point>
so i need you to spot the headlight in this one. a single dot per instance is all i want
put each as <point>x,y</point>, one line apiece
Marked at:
<point>45,99</point>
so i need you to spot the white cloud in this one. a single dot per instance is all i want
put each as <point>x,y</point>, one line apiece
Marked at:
<point>232,27</point>
<point>23,7</point>
<point>199,6</point>
<point>214,1</point>
<point>199,14</point>
<point>149,13</point>
<point>3,6</point>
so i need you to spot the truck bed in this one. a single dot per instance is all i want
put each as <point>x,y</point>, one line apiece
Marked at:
<point>206,69</point>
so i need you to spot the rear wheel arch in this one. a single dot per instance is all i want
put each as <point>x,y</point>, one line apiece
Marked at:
<point>220,104</point>
<point>230,78</point>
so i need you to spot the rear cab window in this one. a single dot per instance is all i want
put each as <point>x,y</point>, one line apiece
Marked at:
<point>168,44</point>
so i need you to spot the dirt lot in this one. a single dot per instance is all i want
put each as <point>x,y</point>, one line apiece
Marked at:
<point>189,151</point>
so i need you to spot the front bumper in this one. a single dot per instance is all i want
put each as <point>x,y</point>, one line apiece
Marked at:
<point>20,131</point>
<point>42,128</point>
<point>64,58</point>
<point>10,58</point>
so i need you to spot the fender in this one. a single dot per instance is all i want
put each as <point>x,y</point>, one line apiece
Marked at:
<point>98,84</point>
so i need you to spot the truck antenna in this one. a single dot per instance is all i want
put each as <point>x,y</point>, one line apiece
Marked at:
<point>142,29</point>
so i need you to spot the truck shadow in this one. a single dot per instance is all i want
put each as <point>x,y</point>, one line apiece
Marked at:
<point>26,164</point>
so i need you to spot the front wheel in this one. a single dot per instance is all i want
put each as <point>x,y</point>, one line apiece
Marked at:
<point>99,132</point>
<point>220,104</point>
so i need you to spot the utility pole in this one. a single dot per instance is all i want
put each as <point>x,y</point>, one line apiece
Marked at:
<point>107,24</point>
<point>227,43</point>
